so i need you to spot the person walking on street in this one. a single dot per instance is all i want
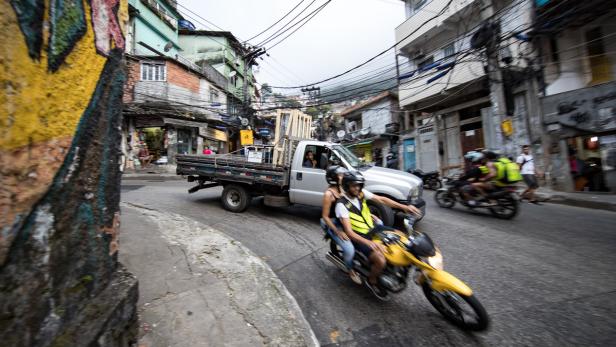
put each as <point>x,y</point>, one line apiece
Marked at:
<point>527,169</point>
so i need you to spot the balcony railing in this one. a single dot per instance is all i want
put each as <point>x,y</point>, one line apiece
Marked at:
<point>417,88</point>
<point>210,73</point>
<point>415,23</point>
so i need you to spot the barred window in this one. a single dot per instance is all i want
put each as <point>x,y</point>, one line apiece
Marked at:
<point>153,72</point>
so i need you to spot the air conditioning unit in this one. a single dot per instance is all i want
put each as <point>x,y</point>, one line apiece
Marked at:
<point>418,54</point>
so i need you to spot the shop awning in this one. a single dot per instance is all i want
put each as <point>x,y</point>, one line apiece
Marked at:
<point>363,143</point>
<point>186,123</point>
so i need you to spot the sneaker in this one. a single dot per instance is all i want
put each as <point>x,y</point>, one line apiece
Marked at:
<point>472,203</point>
<point>380,293</point>
<point>355,277</point>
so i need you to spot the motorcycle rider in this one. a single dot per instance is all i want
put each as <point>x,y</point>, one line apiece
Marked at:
<point>473,174</point>
<point>353,212</point>
<point>334,175</point>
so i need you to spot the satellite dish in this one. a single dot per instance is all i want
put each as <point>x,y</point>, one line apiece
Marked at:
<point>168,46</point>
<point>244,122</point>
<point>341,133</point>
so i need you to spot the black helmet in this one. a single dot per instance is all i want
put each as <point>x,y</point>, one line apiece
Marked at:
<point>490,155</point>
<point>422,246</point>
<point>351,177</point>
<point>331,175</point>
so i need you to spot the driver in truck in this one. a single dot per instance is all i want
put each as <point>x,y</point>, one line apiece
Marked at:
<point>353,213</point>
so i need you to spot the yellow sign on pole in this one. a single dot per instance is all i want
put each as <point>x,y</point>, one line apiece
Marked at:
<point>246,137</point>
<point>507,127</point>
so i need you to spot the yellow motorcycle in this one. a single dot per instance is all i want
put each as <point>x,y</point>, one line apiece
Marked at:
<point>414,255</point>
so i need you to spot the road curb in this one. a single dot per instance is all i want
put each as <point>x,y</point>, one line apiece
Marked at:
<point>151,177</point>
<point>253,289</point>
<point>596,205</point>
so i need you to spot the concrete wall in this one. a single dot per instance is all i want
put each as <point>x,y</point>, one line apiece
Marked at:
<point>376,116</point>
<point>62,76</point>
<point>152,30</point>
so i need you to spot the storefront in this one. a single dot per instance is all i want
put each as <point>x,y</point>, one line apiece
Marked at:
<point>582,129</point>
<point>162,138</point>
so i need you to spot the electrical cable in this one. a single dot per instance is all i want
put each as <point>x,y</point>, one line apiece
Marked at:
<point>301,23</point>
<point>278,21</point>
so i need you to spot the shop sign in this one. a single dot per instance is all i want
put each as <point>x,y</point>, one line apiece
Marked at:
<point>213,134</point>
<point>246,137</point>
<point>507,127</point>
<point>589,109</point>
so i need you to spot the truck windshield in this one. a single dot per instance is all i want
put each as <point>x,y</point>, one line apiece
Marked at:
<point>348,156</point>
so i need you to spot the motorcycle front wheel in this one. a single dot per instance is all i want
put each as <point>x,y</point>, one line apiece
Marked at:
<point>463,311</point>
<point>445,199</point>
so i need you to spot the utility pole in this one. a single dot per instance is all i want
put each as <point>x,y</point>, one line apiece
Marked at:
<point>495,76</point>
<point>314,93</point>
<point>249,59</point>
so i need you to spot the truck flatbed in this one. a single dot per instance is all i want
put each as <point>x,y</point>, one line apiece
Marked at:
<point>231,168</point>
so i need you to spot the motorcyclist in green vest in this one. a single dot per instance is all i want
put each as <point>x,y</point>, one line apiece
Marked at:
<point>501,172</point>
<point>353,213</point>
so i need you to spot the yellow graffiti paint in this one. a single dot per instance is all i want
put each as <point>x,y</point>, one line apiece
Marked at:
<point>36,105</point>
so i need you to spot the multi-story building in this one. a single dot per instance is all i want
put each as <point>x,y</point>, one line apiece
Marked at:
<point>171,105</point>
<point>371,127</point>
<point>225,53</point>
<point>578,44</point>
<point>448,96</point>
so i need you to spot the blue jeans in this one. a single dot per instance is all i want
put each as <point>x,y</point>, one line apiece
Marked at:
<point>348,250</point>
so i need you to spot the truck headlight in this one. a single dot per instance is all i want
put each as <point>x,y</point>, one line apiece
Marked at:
<point>414,194</point>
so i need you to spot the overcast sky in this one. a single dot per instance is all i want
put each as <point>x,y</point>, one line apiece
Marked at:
<point>343,34</point>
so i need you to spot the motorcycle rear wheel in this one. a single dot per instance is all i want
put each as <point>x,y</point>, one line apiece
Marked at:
<point>445,199</point>
<point>507,208</point>
<point>454,306</point>
<point>435,184</point>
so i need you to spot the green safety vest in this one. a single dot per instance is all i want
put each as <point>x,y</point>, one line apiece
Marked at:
<point>361,221</point>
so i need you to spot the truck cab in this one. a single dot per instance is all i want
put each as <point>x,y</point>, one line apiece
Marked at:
<point>307,183</point>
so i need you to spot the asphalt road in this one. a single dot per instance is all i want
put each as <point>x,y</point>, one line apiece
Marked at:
<point>546,278</point>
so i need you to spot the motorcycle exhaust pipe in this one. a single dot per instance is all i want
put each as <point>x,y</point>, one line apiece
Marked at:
<point>337,261</point>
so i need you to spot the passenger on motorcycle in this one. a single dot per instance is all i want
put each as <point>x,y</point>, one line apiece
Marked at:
<point>329,221</point>
<point>487,181</point>
<point>353,212</point>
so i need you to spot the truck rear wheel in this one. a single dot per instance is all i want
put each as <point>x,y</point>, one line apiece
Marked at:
<point>385,213</point>
<point>235,198</point>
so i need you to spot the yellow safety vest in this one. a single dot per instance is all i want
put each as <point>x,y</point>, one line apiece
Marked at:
<point>361,221</point>
<point>484,169</point>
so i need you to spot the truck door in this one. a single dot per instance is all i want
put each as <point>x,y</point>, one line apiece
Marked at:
<point>308,176</point>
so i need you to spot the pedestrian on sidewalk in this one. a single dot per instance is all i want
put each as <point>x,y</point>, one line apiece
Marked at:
<point>527,169</point>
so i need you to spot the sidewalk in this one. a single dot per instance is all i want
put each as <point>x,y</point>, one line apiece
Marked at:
<point>152,172</point>
<point>198,287</point>
<point>601,201</point>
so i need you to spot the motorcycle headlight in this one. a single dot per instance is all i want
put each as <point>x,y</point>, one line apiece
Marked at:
<point>436,261</point>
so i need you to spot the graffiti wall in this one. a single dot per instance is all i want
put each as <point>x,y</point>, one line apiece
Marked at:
<point>61,77</point>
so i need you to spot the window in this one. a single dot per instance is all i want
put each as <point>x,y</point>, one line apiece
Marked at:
<point>422,64</point>
<point>599,62</point>
<point>449,50</point>
<point>153,72</point>
<point>419,4</point>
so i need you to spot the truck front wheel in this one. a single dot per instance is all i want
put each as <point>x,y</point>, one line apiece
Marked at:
<point>385,213</point>
<point>235,198</point>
